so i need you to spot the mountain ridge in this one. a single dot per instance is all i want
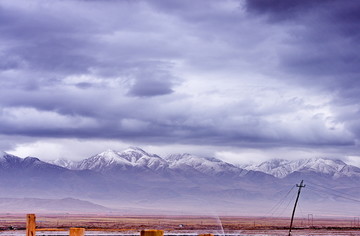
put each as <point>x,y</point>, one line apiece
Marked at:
<point>67,205</point>
<point>281,168</point>
<point>137,158</point>
<point>138,178</point>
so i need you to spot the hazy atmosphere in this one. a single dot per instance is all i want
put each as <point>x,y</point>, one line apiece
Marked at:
<point>244,81</point>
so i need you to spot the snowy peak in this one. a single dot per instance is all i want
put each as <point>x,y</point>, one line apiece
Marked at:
<point>5,156</point>
<point>134,154</point>
<point>28,161</point>
<point>64,163</point>
<point>205,165</point>
<point>8,160</point>
<point>141,158</point>
<point>349,171</point>
<point>137,161</point>
<point>326,166</point>
<point>137,151</point>
<point>130,158</point>
<point>136,158</point>
<point>282,168</point>
<point>11,162</point>
<point>103,161</point>
<point>277,167</point>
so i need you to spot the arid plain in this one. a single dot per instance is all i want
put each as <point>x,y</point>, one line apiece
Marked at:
<point>191,225</point>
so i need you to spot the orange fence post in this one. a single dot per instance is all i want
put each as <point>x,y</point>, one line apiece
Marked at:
<point>152,232</point>
<point>77,231</point>
<point>30,225</point>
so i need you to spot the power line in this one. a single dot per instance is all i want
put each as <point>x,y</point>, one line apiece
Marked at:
<point>288,204</point>
<point>333,190</point>
<point>337,195</point>
<point>301,210</point>
<point>280,202</point>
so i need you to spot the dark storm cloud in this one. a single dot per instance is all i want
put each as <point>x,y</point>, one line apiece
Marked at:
<point>323,39</point>
<point>324,51</point>
<point>56,42</point>
<point>180,71</point>
<point>150,88</point>
<point>152,82</point>
<point>43,42</point>
<point>282,9</point>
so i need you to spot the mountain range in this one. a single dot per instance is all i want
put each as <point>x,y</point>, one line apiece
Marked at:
<point>282,168</point>
<point>182,182</point>
<point>136,158</point>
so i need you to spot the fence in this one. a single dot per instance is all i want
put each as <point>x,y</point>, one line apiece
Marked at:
<point>31,229</point>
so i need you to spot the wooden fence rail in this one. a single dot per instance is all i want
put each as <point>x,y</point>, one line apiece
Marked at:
<point>31,227</point>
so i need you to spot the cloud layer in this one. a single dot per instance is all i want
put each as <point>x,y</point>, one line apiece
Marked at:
<point>232,74</point>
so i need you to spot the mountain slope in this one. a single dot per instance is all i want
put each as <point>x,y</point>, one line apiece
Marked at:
<point>134,177</point>
<point>32,177</point>
<point>10,164</point>
<point>203,165</point>
<point>68,164</point>
<point>282,168</point>
<point>8,161</point>
<point>131,158</point>
<point>25,205</point>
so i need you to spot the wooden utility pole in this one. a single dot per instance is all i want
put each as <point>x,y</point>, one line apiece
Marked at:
<point>297,199</point>
<point>30,225</point>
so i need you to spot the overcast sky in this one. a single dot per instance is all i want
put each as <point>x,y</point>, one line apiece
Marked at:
<point>239,80</point>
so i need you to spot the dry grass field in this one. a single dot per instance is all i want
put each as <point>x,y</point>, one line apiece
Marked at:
<point>183,224</point>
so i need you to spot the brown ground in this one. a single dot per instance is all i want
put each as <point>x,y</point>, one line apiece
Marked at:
<point>185,224</point>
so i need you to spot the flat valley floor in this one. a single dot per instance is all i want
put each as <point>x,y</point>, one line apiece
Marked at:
<point>107,224</point>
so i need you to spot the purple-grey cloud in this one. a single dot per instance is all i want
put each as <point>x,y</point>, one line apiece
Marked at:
<point>324,50</point>
<point>323,39</point>
<point>267,73</point>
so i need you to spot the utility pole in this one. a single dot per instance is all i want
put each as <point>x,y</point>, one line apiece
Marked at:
<point>297,199</point>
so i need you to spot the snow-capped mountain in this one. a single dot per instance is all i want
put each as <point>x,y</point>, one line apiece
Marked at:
<point>31,177</point>
<point>205,165</point>
<point>130,158</point>
<point>8,161</point>
<point>348,171</point>
<point>136,159</point>
<point>277,167</point>
<point>282,168</point>
<point>68,164</point>
<point>136,176</point>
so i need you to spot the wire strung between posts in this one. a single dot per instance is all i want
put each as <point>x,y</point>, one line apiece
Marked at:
<point>279,203</point>
<point>288,204</point>
<point>336,195</point>
<point>300,209</point>
<point>333,190</point>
